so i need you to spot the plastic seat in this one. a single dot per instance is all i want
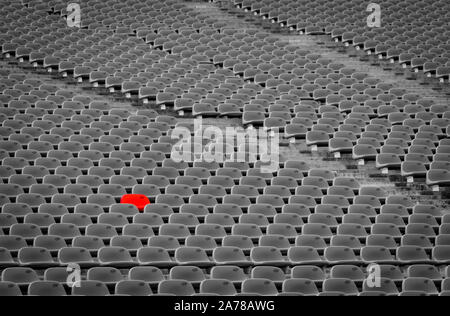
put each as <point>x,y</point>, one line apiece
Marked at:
<point>161,209</point>
<point>192,256</point>
<point>286,230</point>
<point>386,241</point>
<point>343,285</point>
<point>340,254</point>
<point>17,209</point>
<point>352,230</point>
<point>63,230</point>
<point>181,190</point>
<point>151,275</point>
<point>166,242</point>
<point>77,255</point>
<point>441,254</point>
<point>269,272</point>
<point>304,255</point>
<point>247,191</point>
<point>424,271</point>
<point>198,210</point>
<point>125,209</point>
<point>7,220</point>
<point>394,209</point>
<point>172,200</point>
<point>104,200</point>
<point>113,190</point>
<point>40,220</point>
<point>101,231</point>
<point>376,254</point>
<point>116,256</point>
<point>12,243</point>
<point>20,276</point>
<point>267,256</point>
<point>419,284</point>
<point>387,286</point>
<point>6,171</point>
<point>218,286</point>
<point>25,230</point>
<point>348,272</point>
<point>10,190</point>
<point>317,229</point>
<point>249,230</point>
<point>230,256</point>
<point>437,177</point>
<point>133,288</point>
<point>187,273</point>
<point>329,209</point>
<point>77,219</point>
<point>105,275</point>
<point>204,199</point>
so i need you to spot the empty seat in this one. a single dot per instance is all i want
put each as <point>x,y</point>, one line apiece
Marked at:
<point>154,256</point>
<point>424,271</point>
<point>77,255</point>
<point>267,256</point>
<point>91,288</point>
<point>230,256</point>
<point>25,230</point>
<point>192,256</point>
<point>348,272</point>
<point>34,256</point>
<point>46,288</point>
<point>105,275</point>
<point>387,286</point>
<point>187,273</point>
<point>176,287</point>
<point>412,254</point>
<point>441,254</point>
<point>377,254</point>
<point>218,286</point>
<point>20,276</point>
